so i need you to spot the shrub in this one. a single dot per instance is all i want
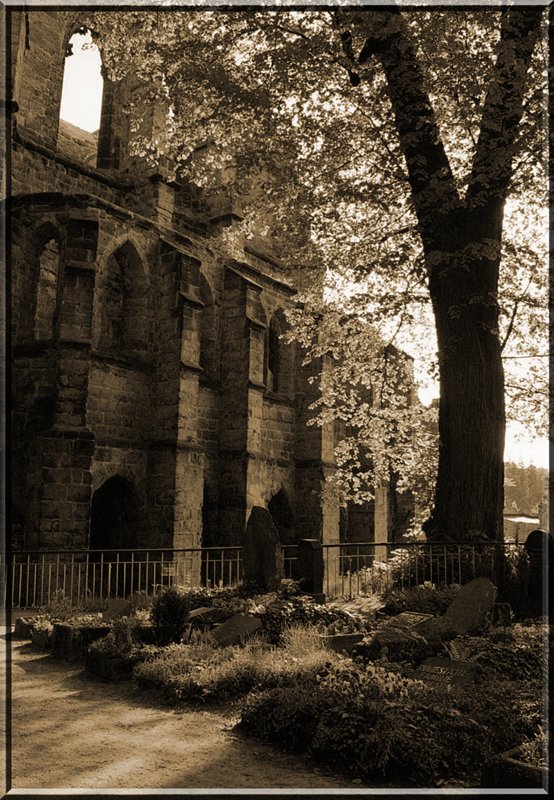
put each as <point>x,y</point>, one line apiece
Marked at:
<point>286,715</point>
<point>443,565</point>
<point>119,641</point>
<point>515,653</point>
<point>60,607</point>
<point>291,610</point>
<point>168,613</point>
<point>370,722</point>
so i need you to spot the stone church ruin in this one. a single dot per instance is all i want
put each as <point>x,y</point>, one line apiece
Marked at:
<point>154,400</point>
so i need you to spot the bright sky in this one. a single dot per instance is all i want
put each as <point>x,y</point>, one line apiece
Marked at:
<point>519,448</point>
<point>82,85</point>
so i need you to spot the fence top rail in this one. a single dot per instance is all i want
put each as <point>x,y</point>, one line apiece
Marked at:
<point>85,551</point>
<point>236,549</point>
<point>438,545</point>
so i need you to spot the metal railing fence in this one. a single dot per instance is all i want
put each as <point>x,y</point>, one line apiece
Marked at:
<point>35,578</point>
<point>354,569</point>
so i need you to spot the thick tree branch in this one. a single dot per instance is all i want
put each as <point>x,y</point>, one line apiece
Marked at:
<point>503,108</point>
<point>433,186</point>
<point>513,315</point>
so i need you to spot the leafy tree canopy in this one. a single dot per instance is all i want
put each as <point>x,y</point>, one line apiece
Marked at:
<point>300,114</point>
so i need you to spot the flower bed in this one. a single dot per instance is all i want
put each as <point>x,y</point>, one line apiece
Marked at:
<point>378,719</point>
<point>199,671</point>
<point>509,771</point>
<point>70,641</point>
<point>23,628</point>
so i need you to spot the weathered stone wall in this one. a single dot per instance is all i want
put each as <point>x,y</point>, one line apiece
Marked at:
<point>78,144</point>
<point>142,352</point>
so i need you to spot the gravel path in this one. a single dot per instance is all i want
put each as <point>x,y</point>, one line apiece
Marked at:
<point>72,731</point>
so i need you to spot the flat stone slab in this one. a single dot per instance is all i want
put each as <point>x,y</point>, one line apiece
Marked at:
<point>117,608</point>
<point>235,630</point>
<point>440,673</point>
<point>407,619</point>
<point>206,615</point>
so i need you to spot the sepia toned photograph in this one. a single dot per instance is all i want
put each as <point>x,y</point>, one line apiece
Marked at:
<point>277,408</point>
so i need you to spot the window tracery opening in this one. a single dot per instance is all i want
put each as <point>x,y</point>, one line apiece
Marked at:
<point>47,289</point>
<point>81,100</point>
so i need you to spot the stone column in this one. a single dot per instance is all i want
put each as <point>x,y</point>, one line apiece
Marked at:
<point>189,467</point>
<point>317,506</point>
<point>67,448</point>
<point>382,520</point>
<point>176,459</point>
<point>241,402</point>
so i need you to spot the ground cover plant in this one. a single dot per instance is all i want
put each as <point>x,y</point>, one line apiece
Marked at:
<point>200,671</point>
<point>425,599</point>
<point>278,610</point>
<point>372,721</point>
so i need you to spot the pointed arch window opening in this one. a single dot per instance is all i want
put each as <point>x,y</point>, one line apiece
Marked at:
<point>273,357</point>
<point>46,305</point>
<point>125,321</point>
<point>81,100</point>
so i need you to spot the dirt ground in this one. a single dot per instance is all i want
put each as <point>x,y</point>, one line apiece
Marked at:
<point>72,731</point>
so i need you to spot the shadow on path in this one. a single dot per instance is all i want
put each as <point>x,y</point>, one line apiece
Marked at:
<point>70,730</point>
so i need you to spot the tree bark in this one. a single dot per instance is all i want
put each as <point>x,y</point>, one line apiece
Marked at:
<point>461,241</point>
<point>469,494</point>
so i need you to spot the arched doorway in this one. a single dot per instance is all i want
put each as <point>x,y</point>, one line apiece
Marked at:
<point>114,527</point>
<point>280,510</point>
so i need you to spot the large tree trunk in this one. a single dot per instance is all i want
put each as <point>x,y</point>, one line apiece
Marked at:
<point>469,494</point>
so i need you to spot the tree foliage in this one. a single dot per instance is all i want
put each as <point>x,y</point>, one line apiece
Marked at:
<point>379,150</point>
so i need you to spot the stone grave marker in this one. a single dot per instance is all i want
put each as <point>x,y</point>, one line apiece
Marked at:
<point>206,615</point>
<point>235,630</point>
<point>117,608</point>
<point>262,553</point>
<point>539,547</point>
<point>395,636</point>
<point>471,609</point>
<point>443,674</point>
<point>407,619</point>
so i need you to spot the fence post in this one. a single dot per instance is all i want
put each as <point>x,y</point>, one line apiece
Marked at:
<point>309,567</point>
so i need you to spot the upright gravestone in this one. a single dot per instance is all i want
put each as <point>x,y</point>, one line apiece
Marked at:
<point>235,630</point>
<point>540,551</point>
<point>470,610</point>
<point>310,567</point>
<point>262,553</point>
<point>118,607</point>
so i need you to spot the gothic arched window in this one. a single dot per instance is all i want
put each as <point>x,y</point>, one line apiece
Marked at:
<point>273,355</point>
<point>81,102</point>
<point>279,357</point>
<point>47,289</point>
<point>124,319</point>
<point>209,356</point>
